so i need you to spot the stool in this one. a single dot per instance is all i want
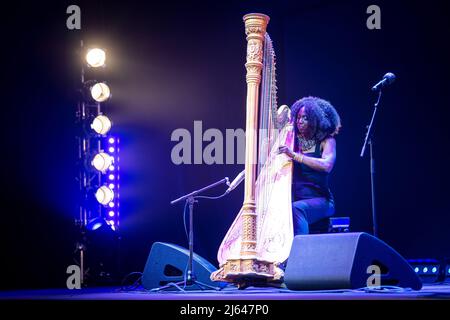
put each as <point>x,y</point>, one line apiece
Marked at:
<point>330,225</point>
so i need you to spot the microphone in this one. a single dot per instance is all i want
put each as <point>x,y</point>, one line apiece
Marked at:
<point>239,178</point>
<point>387,79</point>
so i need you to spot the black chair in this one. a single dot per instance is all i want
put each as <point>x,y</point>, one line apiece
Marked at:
<point>330,225</point>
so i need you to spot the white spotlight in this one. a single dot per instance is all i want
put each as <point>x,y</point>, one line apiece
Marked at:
<point>102,161</point>
<point>96,57</point>
<point>100,92</point>
<point>101,124</point>
<point>104,195</point>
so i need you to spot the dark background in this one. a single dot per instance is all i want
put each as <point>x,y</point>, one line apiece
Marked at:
<point>170,64</point>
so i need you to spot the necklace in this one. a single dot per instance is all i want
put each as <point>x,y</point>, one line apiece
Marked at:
<point>305,144</point>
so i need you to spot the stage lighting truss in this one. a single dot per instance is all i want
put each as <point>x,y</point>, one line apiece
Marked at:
<point>98,154</point>
<point>98,158</point>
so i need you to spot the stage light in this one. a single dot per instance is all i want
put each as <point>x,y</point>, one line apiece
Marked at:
<point>95,224</point>
<point>96,57</point>
<point>100,92</point>
<point>101,124</point>
<point>111,168</point>
<point>111,186</point>
<point>338,224</point>
<point>111,177</point>
<point>111,204</point>
<point>111,213</point>
<point>429,270</point>
<point>111,140</point>
<point>111,149</point>
<point>104,195</point>
<point>102,161</point>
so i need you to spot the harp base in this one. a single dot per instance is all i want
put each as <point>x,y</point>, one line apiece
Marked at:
<point>249,272</point>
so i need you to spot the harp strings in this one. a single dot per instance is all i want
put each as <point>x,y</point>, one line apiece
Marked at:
<point>268,129</point>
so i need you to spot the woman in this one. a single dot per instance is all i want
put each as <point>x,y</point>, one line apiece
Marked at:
<point>316,122</point>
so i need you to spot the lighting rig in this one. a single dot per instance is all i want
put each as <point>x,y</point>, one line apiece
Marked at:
<point>98,173</point>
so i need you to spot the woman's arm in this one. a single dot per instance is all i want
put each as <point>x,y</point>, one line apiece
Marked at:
<point>325,163</point>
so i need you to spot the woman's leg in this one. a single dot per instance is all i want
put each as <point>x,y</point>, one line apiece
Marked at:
<point>309,211</point>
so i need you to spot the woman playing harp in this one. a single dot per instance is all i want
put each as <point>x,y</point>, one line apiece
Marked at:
<point>314,153</point>
<point>260,237</point>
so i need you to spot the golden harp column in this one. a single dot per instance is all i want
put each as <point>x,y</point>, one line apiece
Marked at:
<point>248,268</point>
<point>255,29</point>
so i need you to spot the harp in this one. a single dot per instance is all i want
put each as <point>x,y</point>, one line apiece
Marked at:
<point>261,235</point>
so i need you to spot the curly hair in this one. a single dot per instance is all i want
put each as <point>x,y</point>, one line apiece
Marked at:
<point>323,119</point>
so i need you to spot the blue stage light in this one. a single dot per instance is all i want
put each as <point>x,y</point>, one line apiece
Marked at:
<point>95,224</point>
<point>430,270</point>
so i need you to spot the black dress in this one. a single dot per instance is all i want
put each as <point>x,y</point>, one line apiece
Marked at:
<point>308,183</point>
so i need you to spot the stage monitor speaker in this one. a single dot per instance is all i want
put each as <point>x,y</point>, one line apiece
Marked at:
<point>168,263</point>
<point>345,261</point>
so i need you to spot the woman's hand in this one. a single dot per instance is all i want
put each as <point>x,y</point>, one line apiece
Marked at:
<point>286,150</point>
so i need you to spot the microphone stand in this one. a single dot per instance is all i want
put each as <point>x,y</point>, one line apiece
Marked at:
<point>369,140</point>
<point>191,279</point>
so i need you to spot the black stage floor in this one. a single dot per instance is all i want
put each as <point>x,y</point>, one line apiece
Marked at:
<point>434,291</point>
<point>230,302</point>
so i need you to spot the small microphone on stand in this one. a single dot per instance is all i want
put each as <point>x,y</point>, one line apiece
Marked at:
<point>239,178</point>
<point>388,78</point>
